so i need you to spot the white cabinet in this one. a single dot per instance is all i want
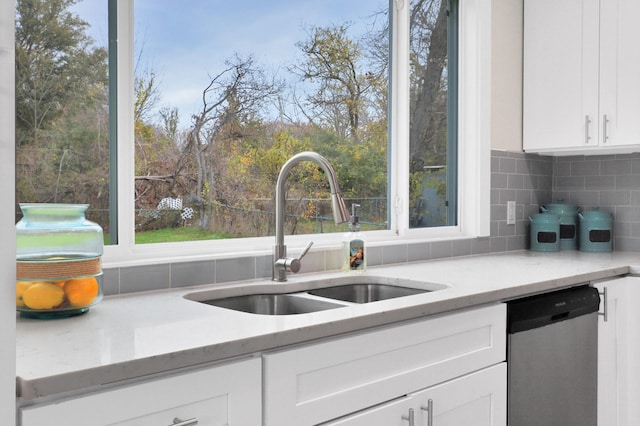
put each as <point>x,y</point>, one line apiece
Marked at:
<point>393,413</point>
<point>315,383</point>
<point>581,88</point>
<point>477,399</point>
<point>618,353</point>
<point>228,394</point>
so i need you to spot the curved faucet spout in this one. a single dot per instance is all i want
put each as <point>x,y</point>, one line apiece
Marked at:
<point>340,212</point>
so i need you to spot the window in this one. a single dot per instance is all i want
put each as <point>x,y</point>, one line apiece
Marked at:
<point>433,113</point>
<point>221,104</point>
<point>62,105</point>
<point>199,154</point>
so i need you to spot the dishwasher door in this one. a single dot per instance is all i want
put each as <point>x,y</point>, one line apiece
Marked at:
<point>553,359</point>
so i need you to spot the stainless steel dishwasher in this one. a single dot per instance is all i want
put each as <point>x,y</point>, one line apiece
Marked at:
<point>552,355</point>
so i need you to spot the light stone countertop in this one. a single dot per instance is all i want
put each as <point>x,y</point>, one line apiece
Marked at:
<point>131,336</point>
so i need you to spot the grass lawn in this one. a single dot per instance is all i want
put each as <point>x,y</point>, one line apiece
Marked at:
<point>170,235</point>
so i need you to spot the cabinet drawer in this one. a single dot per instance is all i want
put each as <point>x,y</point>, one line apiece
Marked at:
<point>211,396</point>
<point>318,382</point>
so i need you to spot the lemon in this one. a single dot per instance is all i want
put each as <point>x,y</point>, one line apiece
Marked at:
<point>21,287</point>
<point>43,295</point>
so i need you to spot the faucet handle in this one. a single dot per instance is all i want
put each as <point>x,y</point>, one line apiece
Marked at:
<point>291,264</point>
<point>306,249</point>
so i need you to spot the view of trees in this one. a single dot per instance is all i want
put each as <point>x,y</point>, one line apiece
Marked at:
<point>61,108</point>
<point>223,166</point>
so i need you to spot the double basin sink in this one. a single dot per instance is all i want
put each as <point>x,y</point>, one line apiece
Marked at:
<point>317,296</point>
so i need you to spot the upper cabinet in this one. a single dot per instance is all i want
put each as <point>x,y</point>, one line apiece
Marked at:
<point>581,76</point>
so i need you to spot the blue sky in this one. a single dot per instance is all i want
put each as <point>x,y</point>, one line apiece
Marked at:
<point>184,42</point>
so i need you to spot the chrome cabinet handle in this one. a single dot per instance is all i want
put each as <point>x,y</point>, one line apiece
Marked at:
<point>605,303</point>
<point>188,422</point>
<point>587,123</point>
<point>410,417</point>
<point>429,410</point>
<point>605,122</point>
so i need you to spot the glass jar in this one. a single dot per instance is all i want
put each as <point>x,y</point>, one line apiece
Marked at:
<point>58,260</point>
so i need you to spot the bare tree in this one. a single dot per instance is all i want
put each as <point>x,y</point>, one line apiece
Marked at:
<point>235,93</point>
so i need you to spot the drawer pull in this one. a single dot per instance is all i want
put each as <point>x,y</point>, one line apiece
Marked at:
<point>188,422</point>
<point>410,417</point>
<point>429,410</point>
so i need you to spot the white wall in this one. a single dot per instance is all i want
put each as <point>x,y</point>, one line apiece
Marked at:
<point>7,228</point>
<point>506,75</point>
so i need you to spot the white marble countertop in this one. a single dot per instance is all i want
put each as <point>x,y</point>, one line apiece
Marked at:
<point>131,336</point>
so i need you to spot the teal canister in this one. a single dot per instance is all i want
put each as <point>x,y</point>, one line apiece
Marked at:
<point>596,230</point>
<point>545,232</point>
<point>568,223</point>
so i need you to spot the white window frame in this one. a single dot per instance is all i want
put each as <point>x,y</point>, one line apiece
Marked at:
<point>474,118</point>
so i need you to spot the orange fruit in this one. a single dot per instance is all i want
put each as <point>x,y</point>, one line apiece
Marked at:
<point>81,291</point>
<point>21,287</point>
<point>43,295</point>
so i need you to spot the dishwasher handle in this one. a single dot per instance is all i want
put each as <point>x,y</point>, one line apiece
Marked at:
<point>605,305</point>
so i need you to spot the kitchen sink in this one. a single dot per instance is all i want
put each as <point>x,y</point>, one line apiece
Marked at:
<point>304,297</point>
<point>273,304</point>
<point>365,293</point>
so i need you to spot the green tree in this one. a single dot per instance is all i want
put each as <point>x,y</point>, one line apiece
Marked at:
<point>62,140</point>
<point>56,63</point>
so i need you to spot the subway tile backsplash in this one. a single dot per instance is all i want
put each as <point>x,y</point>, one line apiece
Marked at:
<point>610,182</point>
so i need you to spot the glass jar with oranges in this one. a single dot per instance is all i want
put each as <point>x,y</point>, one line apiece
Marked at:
<point>58,260</point>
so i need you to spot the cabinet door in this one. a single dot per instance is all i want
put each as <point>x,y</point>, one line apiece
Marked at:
<point>395,413</point>
<point>227,394</point>
<point>620,71</point>
<point>612,354</point>
<point>478,399</point>
<point>560,82</point>
<point>633,328</point>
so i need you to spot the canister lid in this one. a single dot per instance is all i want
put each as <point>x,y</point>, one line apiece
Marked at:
<point>595,214</point>
<point>542,218</point>
<point>561,208</point>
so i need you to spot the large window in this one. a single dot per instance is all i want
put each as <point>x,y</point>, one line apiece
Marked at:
<point>226,92</point>
<point>207,100</point>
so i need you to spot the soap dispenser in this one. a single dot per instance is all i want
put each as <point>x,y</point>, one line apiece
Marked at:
<point>353,245</point>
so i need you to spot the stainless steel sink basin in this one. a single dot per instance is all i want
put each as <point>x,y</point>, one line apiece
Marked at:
<point>365,293</point>
<point>273,304</point>
<point>304,297</point>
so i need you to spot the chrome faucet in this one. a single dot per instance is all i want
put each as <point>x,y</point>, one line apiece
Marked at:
<point>281,263</point>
